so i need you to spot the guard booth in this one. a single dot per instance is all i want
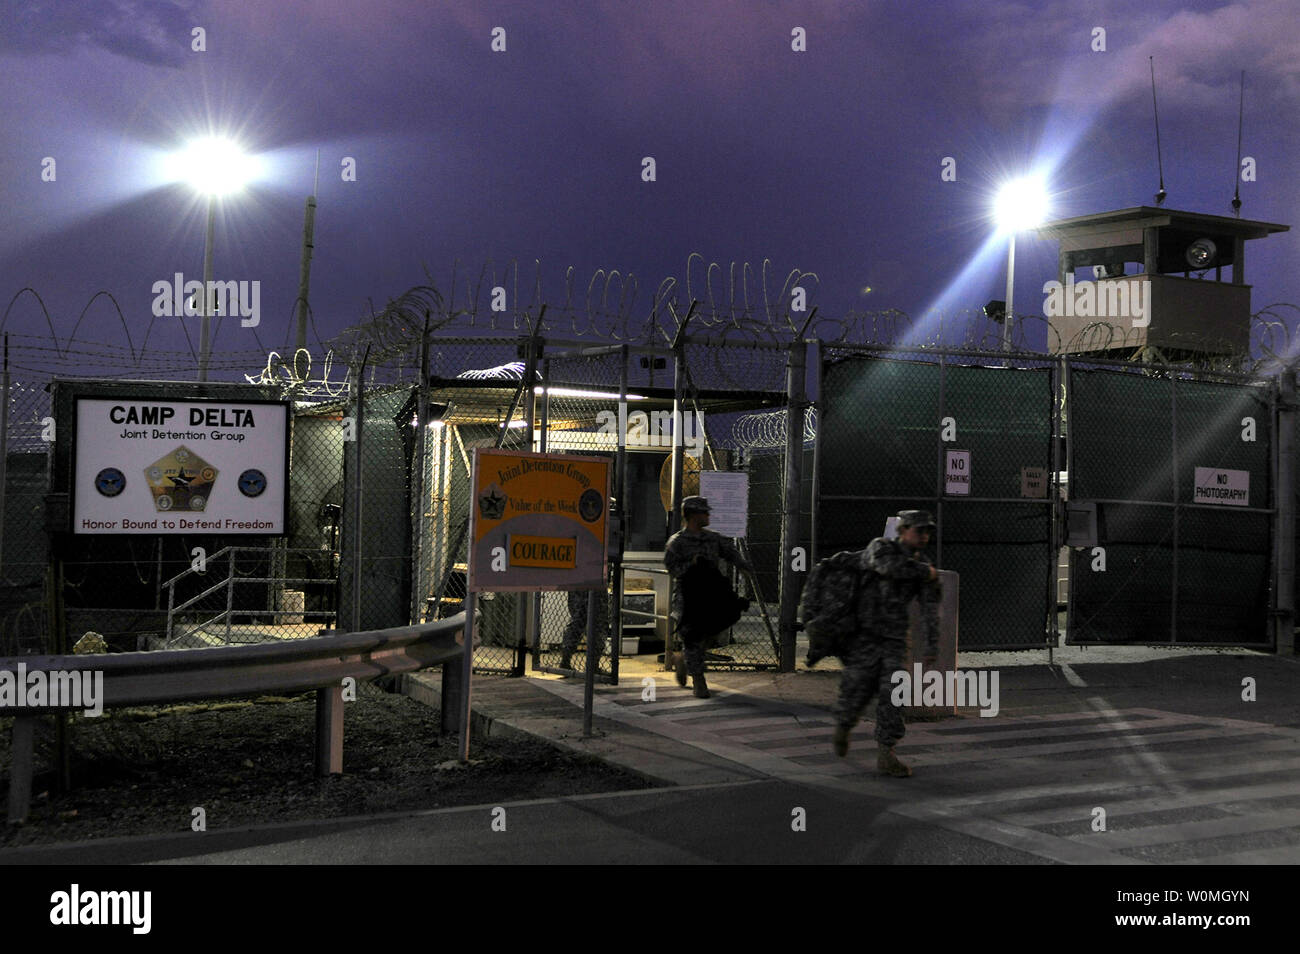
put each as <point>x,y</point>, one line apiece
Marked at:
<point>590,407</point>
<point>1172,304</point>
<point>1173,467</point>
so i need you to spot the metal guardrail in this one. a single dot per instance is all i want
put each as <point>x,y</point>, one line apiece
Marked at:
<point>178,675</point>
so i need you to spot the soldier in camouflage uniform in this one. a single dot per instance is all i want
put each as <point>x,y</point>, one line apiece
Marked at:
<point>901,572</point>
<point>577,627</point>
<point>693,542</point>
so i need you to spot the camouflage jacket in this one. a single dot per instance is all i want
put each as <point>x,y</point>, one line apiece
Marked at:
<point>897,577</point>
<point>684,547</point>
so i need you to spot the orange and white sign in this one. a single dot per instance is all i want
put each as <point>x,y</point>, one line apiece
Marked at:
<point>538,521</point>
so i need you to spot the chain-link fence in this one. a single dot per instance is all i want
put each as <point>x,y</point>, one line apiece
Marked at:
<point>1178,467</point>
<point>967,437</point>
<point>25,454</point>
<point>138,591</point>
<point>381,457</point>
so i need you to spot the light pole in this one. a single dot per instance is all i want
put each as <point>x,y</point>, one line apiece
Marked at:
<point>205,336</point>
<point>214,167</point>
<point>1021,204</point>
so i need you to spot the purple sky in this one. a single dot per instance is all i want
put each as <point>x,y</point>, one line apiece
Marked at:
<point>827,160</point>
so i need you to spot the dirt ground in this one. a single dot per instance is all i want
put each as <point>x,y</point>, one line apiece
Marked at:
<point>248,762</point>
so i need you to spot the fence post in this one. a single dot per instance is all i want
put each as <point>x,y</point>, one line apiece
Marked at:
<point>1055,511</point>
<point>795,403</point>
<point>819,367</point>
<point>678,465</point>
<point>230,593</point>
<point>419,491</point>
<point>524,606</point>
<point>360,386</point>
<point>4,449</point>
<point>1284,580</point>
<point>620,492</point>
<point>543,430</point>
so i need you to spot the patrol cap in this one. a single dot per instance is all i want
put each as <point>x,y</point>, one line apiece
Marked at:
<point>915,518</point>
<point>695,505</point>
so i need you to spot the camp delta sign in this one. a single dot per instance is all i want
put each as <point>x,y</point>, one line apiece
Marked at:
<point>149,466</point>
<point>538,521</point>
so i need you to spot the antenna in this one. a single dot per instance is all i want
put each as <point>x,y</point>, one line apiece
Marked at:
<point>1160,196</point>
<point>1236,173</point>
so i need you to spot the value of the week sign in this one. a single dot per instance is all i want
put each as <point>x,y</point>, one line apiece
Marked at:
<point>149,466</point>
<point>1225,487</point>
<point>538,521</point>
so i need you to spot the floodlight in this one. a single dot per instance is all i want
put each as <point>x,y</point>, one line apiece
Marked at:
<point>1201,253</point>
<point>214,166</point>
<point>1021,204</point>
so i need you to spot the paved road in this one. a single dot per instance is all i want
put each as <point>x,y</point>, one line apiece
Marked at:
<point>1173,786</point>
<point>1183,768</point>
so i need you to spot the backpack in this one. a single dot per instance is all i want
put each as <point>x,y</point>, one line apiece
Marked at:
<point>709,603</point>
<point>829,604</point>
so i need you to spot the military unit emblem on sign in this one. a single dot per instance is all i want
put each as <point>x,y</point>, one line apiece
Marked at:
<point>492,505</point>
<point>180,481</point>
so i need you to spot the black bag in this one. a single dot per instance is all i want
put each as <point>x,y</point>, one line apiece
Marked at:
<point>709,604</point>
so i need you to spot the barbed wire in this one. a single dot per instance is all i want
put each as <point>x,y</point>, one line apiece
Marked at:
<point>767,429</point>
<point>738,303</point>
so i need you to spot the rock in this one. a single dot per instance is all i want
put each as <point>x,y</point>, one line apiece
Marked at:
<point>90,643</point>
<point>247,763</point>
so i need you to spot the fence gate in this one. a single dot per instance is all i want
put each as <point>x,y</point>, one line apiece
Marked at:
<point>969,440</point>
<point>1180,471</point>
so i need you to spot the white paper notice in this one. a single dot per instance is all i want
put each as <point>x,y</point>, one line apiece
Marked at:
<point>728,496</point>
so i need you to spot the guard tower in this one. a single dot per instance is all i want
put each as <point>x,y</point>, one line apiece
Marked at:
<point>1170,302</point>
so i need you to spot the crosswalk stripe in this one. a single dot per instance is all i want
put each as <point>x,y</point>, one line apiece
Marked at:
<point>1152,803</point>
<point>789,731</point>
<point>1191,831</point>
<point>1079,749</point>
<point>749,722</point>
<point>1282,855</point>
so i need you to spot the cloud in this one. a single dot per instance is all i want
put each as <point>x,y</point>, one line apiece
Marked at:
<point>154,32</point>
<point>1025,58</point>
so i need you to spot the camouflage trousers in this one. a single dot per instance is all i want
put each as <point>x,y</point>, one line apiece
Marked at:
<point>577,627</point>
<point>693,649</point>
<point>868,671</point>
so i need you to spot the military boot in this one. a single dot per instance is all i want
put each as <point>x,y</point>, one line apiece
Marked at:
<point>701,687</point>
<point>679,669</point>
<point>840,741</point>
<point>888,763</point>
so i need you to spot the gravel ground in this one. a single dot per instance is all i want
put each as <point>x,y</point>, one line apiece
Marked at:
<point>144,771</point>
